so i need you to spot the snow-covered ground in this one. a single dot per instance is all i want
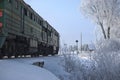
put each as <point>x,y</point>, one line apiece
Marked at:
<point>22,68</point>
<point>51,63</point>
<point>14,69</point>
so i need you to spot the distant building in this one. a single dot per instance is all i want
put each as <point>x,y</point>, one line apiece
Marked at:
<point>88,47</point>
<point>92,47</point>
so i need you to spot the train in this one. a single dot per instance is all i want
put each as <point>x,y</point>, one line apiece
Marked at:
<point>24,32</point>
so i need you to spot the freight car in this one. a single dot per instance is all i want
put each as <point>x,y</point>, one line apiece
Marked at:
<point>24,32</point>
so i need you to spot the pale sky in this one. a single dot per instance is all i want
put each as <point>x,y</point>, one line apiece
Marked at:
<point>65,16</point>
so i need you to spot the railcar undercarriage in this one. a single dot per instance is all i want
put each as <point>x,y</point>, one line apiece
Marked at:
<point>19,46</point>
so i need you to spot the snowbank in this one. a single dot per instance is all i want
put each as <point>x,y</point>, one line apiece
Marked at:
<point>52,64</point>
<point>13,70</point>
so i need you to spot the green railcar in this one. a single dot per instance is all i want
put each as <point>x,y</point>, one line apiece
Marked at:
<point>24,32</point>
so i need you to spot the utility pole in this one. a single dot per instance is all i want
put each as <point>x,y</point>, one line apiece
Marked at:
<point>77,46</point>
<point>81,42</point>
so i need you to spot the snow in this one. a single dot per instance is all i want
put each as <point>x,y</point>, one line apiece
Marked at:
<point>22,68</point>
<point>15,70</point>
<point>51,63</point>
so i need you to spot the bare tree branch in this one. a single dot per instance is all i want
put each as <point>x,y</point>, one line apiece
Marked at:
<point>106,13</point>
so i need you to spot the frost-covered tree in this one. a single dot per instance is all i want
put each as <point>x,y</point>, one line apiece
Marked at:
<point>72,48</point>
<point>106,13</point>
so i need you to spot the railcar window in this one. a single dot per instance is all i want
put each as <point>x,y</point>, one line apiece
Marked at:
<point>42,35</point>
<point>41,22</point>
<point>34,18</point>
<point>10,1</point>
<point>16,4</point>
<point>25,12</point>
<point>28,13</point>
<point>49,33</point>
<point>31,16</point>
<point>38,21</point>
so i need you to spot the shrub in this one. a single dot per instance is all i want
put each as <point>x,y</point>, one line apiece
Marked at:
<point>104,64</point>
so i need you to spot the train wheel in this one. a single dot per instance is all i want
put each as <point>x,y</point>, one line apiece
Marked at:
<point>45,54</point>
<point>32,55</point>
<point>16,56</point>
<point>1,56</point>
<point>10,48</point>
<point>37,55</point>
<point>9,56</point>
<point>53,54</point>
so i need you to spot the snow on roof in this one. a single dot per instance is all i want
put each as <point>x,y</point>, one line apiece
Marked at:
<point>13,70</point>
